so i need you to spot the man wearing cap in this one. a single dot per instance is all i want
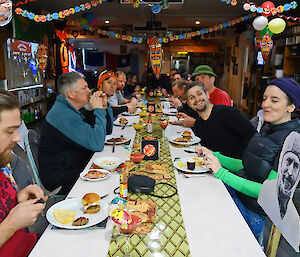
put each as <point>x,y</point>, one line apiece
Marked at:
<point>205,75</point>
<point>68,140</point>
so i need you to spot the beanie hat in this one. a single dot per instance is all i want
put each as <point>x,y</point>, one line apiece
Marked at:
<point>105,75</point>
<point>203,69</point>
<point>290,87</point>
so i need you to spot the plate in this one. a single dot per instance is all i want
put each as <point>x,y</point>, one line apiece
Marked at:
<point>198,169</point>
<point>75,204</point>
<point>170,112</point>
<point>117,160</point>
<point>82,175</point>
<point>195,140</point>
<point>128,124</point>
<point>117,143</point>
<point>130,114</point>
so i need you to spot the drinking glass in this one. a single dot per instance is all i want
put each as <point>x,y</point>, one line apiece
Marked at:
<point>136,158</point>
<point>163,125</point>
<point>137,127</point>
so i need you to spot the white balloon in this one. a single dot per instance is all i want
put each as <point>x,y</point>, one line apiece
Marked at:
<point>260,23</point>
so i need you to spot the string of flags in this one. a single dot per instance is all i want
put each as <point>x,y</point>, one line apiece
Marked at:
<point>166,39</point>
<point>58,15</point>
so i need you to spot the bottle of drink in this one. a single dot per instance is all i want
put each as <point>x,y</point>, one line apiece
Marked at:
<point>123,183</point>
<point>149,124</point>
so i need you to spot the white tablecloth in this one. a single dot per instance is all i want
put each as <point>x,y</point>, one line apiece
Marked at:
<point>214,225</point>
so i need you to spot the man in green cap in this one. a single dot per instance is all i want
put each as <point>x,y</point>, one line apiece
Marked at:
<point>205,75</point>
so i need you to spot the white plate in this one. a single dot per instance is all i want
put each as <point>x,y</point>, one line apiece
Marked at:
<point>128,124</point>
<point>194,140</point>
<point>117,160</point>
<point>108,137</point>
<point>198,169</point>
<point>129,114</point>
<point>75,204</point>
<point>170,112</point>
<point>82,175</point>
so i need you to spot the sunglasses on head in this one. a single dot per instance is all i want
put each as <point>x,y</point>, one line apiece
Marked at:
<point>109,73</point>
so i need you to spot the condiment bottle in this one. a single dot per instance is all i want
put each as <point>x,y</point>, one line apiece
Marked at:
<point>123,183</point>
<point>149,124</point>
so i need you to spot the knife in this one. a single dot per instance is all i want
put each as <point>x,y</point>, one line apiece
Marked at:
<point>114,144</point>
<point>54,192</point>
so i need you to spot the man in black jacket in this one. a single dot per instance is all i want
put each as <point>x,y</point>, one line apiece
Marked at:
<point>221,128</point>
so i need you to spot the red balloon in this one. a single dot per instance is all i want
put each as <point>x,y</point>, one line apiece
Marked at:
<point>268,5</point>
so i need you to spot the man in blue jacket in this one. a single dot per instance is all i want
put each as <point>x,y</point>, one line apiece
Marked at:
<point>68,140</point>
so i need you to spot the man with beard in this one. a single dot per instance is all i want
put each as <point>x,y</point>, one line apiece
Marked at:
<point>18,207</point>
<point>289,172</point>
<point>68,139</point>
<point>221,128</point>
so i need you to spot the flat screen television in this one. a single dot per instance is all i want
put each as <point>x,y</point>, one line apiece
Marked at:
<point>260,59</point>
<point>22,68</point>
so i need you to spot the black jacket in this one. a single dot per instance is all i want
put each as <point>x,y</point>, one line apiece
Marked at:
<point>262,155</point>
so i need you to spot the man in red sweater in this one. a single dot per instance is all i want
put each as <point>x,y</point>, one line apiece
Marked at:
<point>205,75</point>
<point>18,207</point>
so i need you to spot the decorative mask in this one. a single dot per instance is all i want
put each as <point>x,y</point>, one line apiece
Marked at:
<point>266,45</point>
<point>42,57</point>
<point>155,56</point>
<point>5,12</point>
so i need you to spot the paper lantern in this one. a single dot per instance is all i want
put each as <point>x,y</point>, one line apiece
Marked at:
<point>6,12</point>
<point>267,6</point>
<point>246,7</point>
<point>260,23</point>
<point>277,25</point>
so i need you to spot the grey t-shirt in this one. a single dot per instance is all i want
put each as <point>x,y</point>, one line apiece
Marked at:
<point>116,99</point>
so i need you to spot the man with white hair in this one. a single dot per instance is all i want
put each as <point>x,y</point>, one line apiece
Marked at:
<point>67,139</point>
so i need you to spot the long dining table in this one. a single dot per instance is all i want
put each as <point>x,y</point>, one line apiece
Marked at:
<point>213,224</point>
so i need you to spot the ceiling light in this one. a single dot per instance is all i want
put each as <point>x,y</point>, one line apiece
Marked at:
<point>106,21</point>
<point>197,22</point>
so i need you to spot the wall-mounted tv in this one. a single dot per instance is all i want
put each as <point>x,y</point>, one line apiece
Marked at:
<point>22,67</point>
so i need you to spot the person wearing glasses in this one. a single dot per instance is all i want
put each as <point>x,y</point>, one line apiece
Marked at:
<point>68,138</point>
<point>261,157</point>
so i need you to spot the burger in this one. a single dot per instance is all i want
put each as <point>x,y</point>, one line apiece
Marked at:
<point>187,135</point>
<point>91,203</point>
<point>123,121</point>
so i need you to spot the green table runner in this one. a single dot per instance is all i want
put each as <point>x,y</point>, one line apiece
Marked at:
<point>168,237</point>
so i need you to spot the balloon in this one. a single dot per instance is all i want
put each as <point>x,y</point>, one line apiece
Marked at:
<point>267,6</point>
<point>260,23</point>
<point>277,25</point>
<point>83,21</point>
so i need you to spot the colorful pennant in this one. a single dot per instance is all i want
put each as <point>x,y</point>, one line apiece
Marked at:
<point>57,15</point>
<point>170,37</point>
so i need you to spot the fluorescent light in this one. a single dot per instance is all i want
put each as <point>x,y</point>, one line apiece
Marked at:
<point>106,21</point>
<point>197,22</point>
<point>28,87</point>
<point>182,52</point>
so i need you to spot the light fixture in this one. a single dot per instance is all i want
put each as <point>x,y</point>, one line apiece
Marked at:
<point>106,21</point>
<point>182,52</point>
<point>197,22</point>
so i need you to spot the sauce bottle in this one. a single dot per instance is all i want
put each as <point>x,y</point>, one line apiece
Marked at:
<point>123,183</point>
<point>149,124</point>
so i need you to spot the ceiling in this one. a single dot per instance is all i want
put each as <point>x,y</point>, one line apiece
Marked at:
<point>124,16</point>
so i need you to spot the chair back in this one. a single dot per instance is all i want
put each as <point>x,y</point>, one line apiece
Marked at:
<point>31,142</point>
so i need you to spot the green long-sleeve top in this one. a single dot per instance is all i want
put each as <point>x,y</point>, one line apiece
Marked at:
<point>231,166</point>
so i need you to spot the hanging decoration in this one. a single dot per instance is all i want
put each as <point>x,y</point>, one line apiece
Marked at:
<point>268,8</point>
<point>25,2</point>
<point>289,17</point>
<point>64,56</point>
<point>257,40</point>
<point>135,3</point>
<point>260,23</point>
<point>42,57</point>
<point>5,12</point>
<point>33,67</point>
<point>169,36</point>
<point>155,56</point>
<point>57,15</point>
<point>277,25</point>
<point>266,45</point>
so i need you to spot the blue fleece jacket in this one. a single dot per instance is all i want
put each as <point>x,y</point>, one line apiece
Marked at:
<point>70,122</point>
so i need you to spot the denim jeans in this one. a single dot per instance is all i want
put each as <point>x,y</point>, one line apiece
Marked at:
<point>255,221</point>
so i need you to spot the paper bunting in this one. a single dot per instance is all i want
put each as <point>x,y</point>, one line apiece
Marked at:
<point>155,56</point>
<point>57,15</point>
<point>169,36</point>
<point>250,6</point>
<point>5,12</point>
